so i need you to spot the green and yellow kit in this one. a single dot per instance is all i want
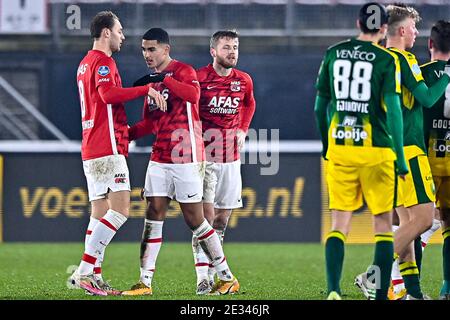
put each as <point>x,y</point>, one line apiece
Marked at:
<point>436,123</point>
<point>354,76</point>
<point>418,186</point>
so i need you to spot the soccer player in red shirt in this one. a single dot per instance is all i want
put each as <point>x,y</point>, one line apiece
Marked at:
<point>176,167</point>
<point>104,146</point>
<point>227,106</point>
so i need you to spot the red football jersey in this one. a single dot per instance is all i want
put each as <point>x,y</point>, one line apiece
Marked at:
<point>105,130</point>
<point>226,104</point>
<point>178,130</point>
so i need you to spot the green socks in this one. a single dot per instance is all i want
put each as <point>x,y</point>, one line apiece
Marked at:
<point>446,262</point>
<point>334,256</point>
<point>410,274</point>
<point>384,251</point>
<point>418,253</point>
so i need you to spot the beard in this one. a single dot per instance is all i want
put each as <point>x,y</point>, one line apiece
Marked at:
<point>226,64</point>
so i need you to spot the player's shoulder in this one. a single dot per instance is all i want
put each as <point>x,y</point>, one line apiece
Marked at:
<point>384,54</point>
<point>202,72</point>
<point>379,49</point>
<point>99,56</point>
<point>242,74</point>
<point>403,55</point>
<point>338,45</point>
<point>102,63</point>
<point>429,65</point>
<point>180,66</point>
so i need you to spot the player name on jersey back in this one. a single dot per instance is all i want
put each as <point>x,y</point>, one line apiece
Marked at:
<point>354,75</point>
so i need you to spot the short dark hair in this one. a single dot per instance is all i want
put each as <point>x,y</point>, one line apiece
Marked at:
<point>440,35</point>
<point>398,12</point>
<point>232,34</point>
<point>103,19</point>
<point>158,34</point>
<point>366,13</point>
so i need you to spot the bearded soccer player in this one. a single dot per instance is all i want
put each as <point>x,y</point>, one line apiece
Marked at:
<point>415,200</point>
<point>227,106</point>
<point>359,81</point>
<point>437,137</point>
<point>104,147</point>
<point>176,167</point>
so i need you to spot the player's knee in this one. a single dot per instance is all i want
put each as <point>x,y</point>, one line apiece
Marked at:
<point>155,212</point>
<point>220,222</point>
<point>209,214</point>
<point>427,221</point>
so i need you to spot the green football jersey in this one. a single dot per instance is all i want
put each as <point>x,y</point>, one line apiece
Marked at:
<point>413,139</point>
<point>355,75</point>
<point>436,122</point>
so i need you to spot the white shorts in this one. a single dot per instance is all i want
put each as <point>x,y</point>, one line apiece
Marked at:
<point>106,173</point>
<point>182,182</point>
<point>222,185</point>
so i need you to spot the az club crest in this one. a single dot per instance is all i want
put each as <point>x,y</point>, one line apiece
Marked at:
<point>103,71</point>
<point>235,86</point>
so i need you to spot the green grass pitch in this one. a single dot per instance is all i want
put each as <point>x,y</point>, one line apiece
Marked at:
<point>265,270</point>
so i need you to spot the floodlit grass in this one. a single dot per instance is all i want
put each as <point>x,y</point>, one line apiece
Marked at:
<point>265,271</point>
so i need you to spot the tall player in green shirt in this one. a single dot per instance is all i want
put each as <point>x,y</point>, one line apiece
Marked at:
<point>359,82</point>
<point>437,137</point>
<point>415,199</point>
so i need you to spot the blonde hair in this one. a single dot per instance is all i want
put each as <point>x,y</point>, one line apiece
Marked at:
<point>398,13</point>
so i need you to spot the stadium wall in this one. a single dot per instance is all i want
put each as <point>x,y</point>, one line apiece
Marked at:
<point>46,200</point>
<point>43,197</point>
<point>284,98</point>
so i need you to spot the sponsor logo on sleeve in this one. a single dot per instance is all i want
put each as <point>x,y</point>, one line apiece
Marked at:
<point>415,69</point>
<point>103,71</point>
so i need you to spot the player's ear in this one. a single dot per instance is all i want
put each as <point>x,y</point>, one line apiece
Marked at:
<point>106,32</point>
<point>167,49</point>
<point>212,51</point>
<point>358,24</point>
<point>383,29</point>
<point>430,44</point>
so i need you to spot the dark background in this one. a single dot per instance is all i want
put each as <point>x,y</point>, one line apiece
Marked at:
<point>63,172</point>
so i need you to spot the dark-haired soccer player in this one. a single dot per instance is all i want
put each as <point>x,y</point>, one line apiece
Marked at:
<point>227,106</point>
<point>359,81</point>
<point>104,146</point>
<point>176,167</point>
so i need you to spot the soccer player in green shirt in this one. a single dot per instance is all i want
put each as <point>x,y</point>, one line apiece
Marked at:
<point>415,198</point>
<point>360,82</point>
<point>437,137</point>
